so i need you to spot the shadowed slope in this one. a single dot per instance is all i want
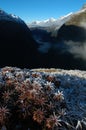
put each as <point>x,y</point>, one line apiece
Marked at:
<point>17,47</point>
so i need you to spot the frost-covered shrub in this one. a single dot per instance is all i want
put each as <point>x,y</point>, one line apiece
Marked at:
<point>25,94</point>
<point>32,100</point>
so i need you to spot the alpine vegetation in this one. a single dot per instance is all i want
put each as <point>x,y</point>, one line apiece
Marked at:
<point>42,99</point>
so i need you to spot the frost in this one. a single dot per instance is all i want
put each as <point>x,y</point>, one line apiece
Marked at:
<point>58,95</point>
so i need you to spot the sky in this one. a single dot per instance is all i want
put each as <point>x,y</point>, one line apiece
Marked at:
<point>32,10</point>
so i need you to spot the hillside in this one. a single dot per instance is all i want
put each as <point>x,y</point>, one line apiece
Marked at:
<point>17,46</point>
<point>78,18</point>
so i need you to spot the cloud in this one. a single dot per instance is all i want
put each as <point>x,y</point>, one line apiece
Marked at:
<point>83,23</point>
<point>44,47</point>
<point>78,49</point>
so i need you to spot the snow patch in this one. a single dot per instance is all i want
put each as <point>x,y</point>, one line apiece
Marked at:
<point>9,17</point>
<point>51,21</point>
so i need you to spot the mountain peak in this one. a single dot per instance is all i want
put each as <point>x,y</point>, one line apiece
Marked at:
<point>51,21</point>
<point>9,17</point>
<point>2,12</point>
<point>84,6</point>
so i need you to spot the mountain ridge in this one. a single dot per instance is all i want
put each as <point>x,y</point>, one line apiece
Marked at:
<point>52,21</point>
<point>16,42</point>
<point>64,43</point>
<point>62,46</point>
<point>10,17</point>
<point>48,22</point>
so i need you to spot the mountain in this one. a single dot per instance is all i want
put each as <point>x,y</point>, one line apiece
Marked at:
<point>46,31</point>
<point>50,25</point>
<point>17,46</point>
<point>50,22</point>
<point>63,40</point>
<point>51,43</point>
<point>73,34</point>
<point>77,22</point>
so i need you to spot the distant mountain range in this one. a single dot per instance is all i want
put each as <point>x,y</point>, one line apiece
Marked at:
<point>53,25</point>
<point>64,37</point>
<point>50,22</point>
<point>53,43</point>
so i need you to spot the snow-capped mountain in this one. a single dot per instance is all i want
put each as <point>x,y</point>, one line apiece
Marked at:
<point>56,23</point>
<point>9,17</point>
<point>16,42</point>
<point>51,21</point>
<point>62,41</point>
<point>53,43</point>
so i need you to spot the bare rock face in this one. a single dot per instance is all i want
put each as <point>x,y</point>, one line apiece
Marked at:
<point>17,47</point>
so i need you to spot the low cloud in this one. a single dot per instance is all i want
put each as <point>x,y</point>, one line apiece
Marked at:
<point>83,23</point>
<point>78,49</point>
